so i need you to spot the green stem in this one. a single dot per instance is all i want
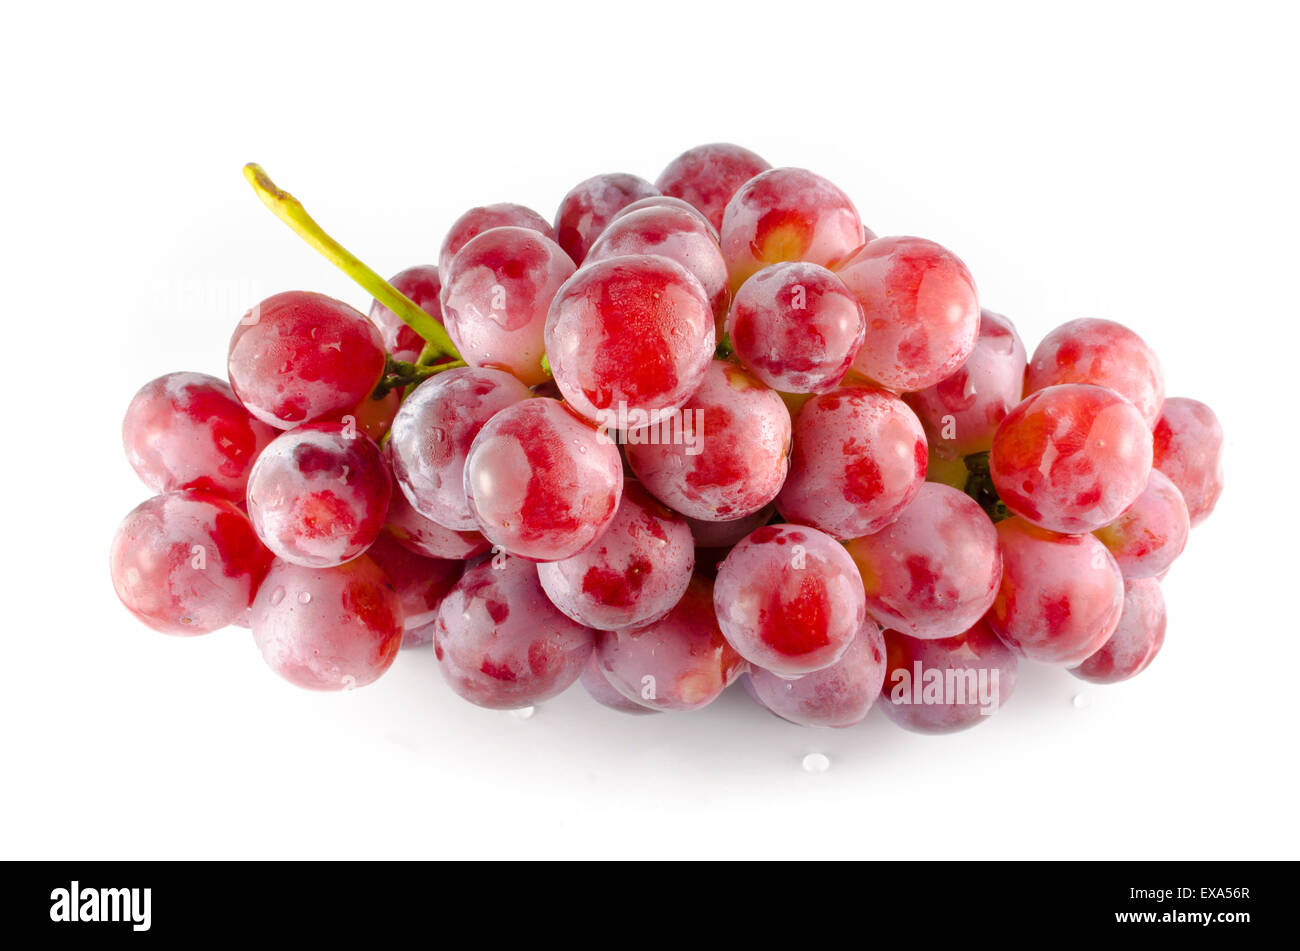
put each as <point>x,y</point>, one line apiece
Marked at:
<point>399,373</point>
<point>290,210</point>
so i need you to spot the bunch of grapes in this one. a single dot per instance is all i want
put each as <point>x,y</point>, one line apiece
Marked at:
<point>697,431</point>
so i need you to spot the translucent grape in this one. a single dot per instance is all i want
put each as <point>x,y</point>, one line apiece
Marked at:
<point>588,207</point>
<point>1137,639</point>
<point>602,691</point>
<point>421,284</point>
<point>484,218</point>
<point>1103,353</point>
<point>664,201</point>
<point>1189,449</point>
<point>708,176</point>
<point>421,583</point>
<point>840,695</point>
<point>1151,532</point>
<point>425,537</point>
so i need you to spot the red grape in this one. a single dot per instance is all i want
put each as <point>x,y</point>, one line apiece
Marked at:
<point>328,628</point>
<point>425,537</point>
<point>501,644</point>
<point>725,534</point>
<point>596,684</point>
<point>298,357</point>
<point>421,583</point>
<point>1137,639</point>
<point>1072,457</point>
<point>789,599</point>
<point>542,483</point>
<point>949,684</point>
<point>634,573</point>
<point>1103,353</point>
<point>423,285</point>
<point>859,457</point>
<point>187,431</point>
<point>187,562</point>
<point>921,310</point>
<point>495,296</point>
<point>934,570</point>
<point>1151,532</point>
<point>1189,449</point>
<point>318,495</point>
<point>484,218</point>
<point>664,201</point>
<point>962,411</point>
<point>836,696</point>
<point>737,459</point>
<point>588,207</point>
<point>1061,595</point>
<point>708,175</point>
<point>633,333</point>
<point>679,662</point>
<point>787,214</point>
<point>433,432</point>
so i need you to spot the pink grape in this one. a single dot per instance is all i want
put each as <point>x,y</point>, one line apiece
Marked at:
<point>1103,353</point>
<point>1150,533</point>
<point>1060,597</point>
<point>542,483</point>
<point>787,214</point>
<point>789,599</point>
<point>318,495</point>
<point>679,662</point>
<point>484,218</point>
<point>840,695</point>
<point>298,357</point>
<point>725,534</point>
<point>680,235</point>
<point>187,562</point>
<point>665,201</point>
<point>425,537</point>
<point>708,176</point>
<point>1137,639</point>
<point>922,313</point>
<point>423,285</point>
<point>633,332</point>
<point>634,573</point>
<point>588,207</point>
<point>495,296</point>
<point>421,583</point>
<point>933,571</point>
<point>736,460</point>
<point>597,685</point>
<point>1072,457</point>
<point>962,411</point>
<point>501,644</point>
<point>432,434</point>
<point>948,684</point>
<point>1189,449</point>
<point>328,628</point>
<point>187,431</point>
<point>796,327</point>
<point>859,457</point>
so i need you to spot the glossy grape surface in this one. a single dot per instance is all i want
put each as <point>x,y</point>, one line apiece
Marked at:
<point>840,695</point>
<point>421,583</point>
<point>426,537</point>
<point>484,218</point>
<point>708,176</point>
<point>597,685</point>
<point>1103,353</point>
<point>588,207</point>
<point>423,285</point>
<point>1151,532</point>
<point>710,534</point>
<point>1137,639</point>
<point>1189,449</point>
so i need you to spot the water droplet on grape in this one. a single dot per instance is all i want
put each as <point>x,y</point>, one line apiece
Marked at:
<point>304,597</point>
<point>1082,701</point>
<point>277,595</point>
<point>523,713</point>
<point>816,763</point>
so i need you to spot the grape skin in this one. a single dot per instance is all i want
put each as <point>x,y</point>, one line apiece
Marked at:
<point>602,691</point>
<point>707,176</point>
<point>1137,639</point>
<point>484,218</point>
<point>1103,353</point>
<point>421,583</point>
<point>425,537</point>
<point>665,201</point>
<point>187,431</point>
<point>710,534</point>
<point>1189,449</point>
<point>423,285</point>
<point>1151,532</point>
<point>590,205</point>
<point>837,696</point>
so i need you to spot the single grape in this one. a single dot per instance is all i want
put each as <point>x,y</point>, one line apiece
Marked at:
<point>187,431</point>
<point>679,662</point>
<point>796,327</point>
<point>680,235</point>
<point>1060,597</point>
<point>948,684</point>
<point>423,285</point>
<point>921,310</point>
<point>962,411</point>
<point>602,691</point>
<point>588,207</point>
<point>708,176</point>
<point>501,644</point>
<point>421,583</point>
<point>328,628</point>
<point>187,562</point>
<point>484,218</point>
<point>425,537</point>
<point>319,494</point>
<point>787,214</point>
<point>495,296</point>
<point>840,695</point>
<point>1103,353</point>
<point>933,571</point>
<point>632,334</point>
<point>542,483</point>
<point>432,435</point>
<point>1151,532</point>
<point>1137,639</point>
<point>1071,458</point>
<point>725,534</point>
<point>665,201</point>
<point>298,357</point>
<point>1189,449</point>
<point>789,599</point>
<point>859,457</point>
<point>735,459</point>
<point>634,573</point>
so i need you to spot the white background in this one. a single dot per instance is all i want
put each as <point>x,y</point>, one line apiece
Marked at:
<point>1136,162</point>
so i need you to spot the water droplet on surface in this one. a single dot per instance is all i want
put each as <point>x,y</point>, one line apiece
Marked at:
<point>1082,701</point>
<point>277,595</point>
<point>304,597</point>
<point>816,763</point>
<point>523,713</point>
